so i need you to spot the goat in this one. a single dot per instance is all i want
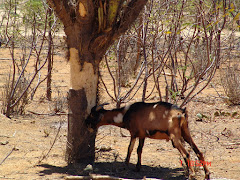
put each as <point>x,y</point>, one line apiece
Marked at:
<point>159,120</point>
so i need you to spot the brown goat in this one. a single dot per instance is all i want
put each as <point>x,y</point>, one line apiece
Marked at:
<point>159,120</point>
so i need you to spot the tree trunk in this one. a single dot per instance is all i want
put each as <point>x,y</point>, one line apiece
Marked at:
<point>82,97</point>
<point>50,60</point>
<point>82,149</point>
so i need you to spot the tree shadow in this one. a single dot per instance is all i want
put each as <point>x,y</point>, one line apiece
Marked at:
<point>116,169</point>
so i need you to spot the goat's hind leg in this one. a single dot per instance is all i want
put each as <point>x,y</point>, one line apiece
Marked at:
<point>139,152</point>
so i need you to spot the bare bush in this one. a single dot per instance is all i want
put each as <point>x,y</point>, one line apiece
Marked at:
<point>127,59</point>
<point>230,78</point>
<point>19,108</point>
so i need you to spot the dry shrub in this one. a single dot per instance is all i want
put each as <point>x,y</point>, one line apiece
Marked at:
<point>128,59</point>
<point>59,103</point>
<point>201,59</point>
<point>7,100</point>
<point>230,78</point>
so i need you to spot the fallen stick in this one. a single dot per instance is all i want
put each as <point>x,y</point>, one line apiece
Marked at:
<point>13,149</point>
<point>228,144</point>
<point>49,114</point>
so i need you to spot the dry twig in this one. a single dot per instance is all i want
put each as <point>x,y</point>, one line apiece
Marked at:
<point>13,149</point>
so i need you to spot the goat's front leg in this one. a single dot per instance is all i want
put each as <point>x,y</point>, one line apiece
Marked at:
<point>130,149</point>
<point>139,152</point>
<point>187,137</point>
<point>177,144</point>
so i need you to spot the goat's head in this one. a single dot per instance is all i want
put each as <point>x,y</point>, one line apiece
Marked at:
<point>95,117</point>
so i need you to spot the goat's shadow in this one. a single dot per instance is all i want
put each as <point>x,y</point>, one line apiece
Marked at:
<point>116,169</point>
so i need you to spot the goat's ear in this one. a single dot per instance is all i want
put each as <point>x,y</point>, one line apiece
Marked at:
<point>185,111</point>
<point>99,107</point>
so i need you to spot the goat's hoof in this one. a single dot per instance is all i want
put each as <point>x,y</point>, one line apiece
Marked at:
<point>207,176</point>
<point>191,176</point>
<point>138,167</point>
<point>127,160</point>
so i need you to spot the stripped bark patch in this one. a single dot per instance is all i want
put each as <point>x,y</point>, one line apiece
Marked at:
<point>82,10</point>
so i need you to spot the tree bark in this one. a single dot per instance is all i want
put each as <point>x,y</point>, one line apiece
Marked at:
<point>81,149</point>
<point>50,60</point>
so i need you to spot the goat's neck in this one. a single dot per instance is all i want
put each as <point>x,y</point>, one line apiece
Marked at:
<point>113,117</point>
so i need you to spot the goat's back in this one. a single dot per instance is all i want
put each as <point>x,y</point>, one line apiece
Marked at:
<point>142,117</point>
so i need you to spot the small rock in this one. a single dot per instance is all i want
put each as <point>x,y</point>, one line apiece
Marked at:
<point>199,116</point>
<point>104,148</point>
<point>4,142</point>
<point>234,114</point>
<point>216,114</point>
<point>88,168</point>
<point>227,132</point>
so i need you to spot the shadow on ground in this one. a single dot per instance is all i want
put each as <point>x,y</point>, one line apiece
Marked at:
<point>116,169</point>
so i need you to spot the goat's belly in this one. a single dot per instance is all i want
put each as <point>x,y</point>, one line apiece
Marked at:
<point>159,135</point>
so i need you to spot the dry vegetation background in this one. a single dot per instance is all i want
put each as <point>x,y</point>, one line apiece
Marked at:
<point>140,66</point>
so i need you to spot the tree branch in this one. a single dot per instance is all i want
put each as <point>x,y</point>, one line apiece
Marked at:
<point>126,17</point>
<point>61,10</point>
<point>129,15</point>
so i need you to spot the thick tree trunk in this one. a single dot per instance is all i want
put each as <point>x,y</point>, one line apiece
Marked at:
<point>82,97</point>
<point>90,27</point>
<point>80,143</point>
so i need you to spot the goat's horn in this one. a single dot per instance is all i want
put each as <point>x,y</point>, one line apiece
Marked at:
<point>101,106</point>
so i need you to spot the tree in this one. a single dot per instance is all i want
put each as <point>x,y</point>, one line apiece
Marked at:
<point>90,26</point>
